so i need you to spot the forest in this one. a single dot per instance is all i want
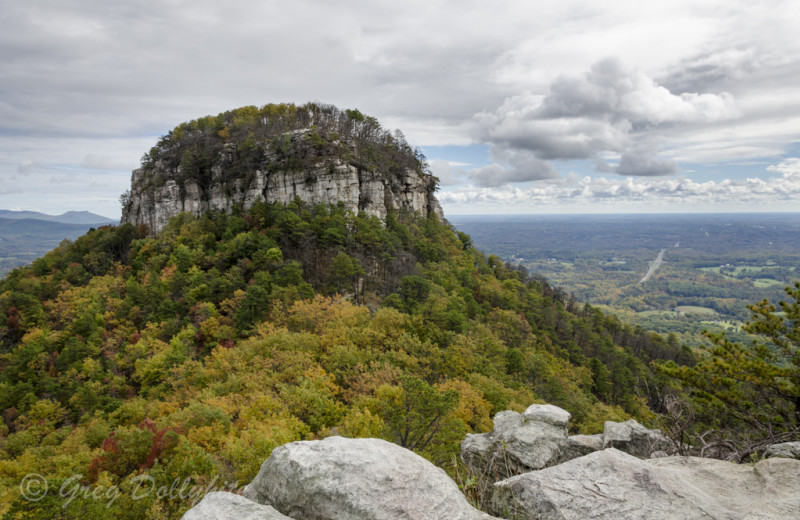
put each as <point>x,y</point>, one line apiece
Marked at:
<point>194,353</point>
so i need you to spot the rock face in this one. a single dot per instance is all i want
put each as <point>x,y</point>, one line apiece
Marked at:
<point>224,506</point>
<point>349,479</point>
<point>520,442</point>
<point>613,484</point>
<point>785,450</point>
<point>329,173</point>
<point>537,439</point>
<point>634,439</point>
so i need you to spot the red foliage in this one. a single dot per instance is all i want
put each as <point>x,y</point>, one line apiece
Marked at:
<point>9,416</point>
<point>162,441</point>
<point>13,319</point>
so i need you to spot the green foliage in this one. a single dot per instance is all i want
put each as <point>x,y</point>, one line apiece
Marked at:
<point>276,137</point>
<point>751,393</point>
<point>420,417</point>
<point>194,353</point>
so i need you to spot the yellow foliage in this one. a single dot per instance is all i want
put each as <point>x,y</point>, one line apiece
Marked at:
<point>361,423</point>
<point>472,408</point>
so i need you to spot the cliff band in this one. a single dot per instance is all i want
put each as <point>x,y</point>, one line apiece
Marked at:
<point>277,153</point>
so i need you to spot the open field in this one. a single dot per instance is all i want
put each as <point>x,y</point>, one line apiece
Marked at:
<point>692,309</point>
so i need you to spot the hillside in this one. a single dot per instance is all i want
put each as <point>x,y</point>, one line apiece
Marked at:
<point>194,353</point>
<point>23,239</point>
<point>189,354</point>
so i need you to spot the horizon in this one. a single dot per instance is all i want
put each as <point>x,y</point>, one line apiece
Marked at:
<point>504,215</point>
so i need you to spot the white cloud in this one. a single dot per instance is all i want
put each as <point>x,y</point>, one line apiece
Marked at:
<point>449,174</point>
<point>103,162</point>
<point>666,193</point>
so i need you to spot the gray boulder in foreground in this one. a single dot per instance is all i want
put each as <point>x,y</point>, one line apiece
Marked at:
<point>538,439</point>
<point>613,484</point>
<point>227,506</point>
<point>786,450</point>
<point>357,479</point>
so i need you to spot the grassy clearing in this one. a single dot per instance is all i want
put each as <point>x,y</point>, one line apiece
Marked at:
<point>693,309</point>
<point>736,326</point>
<point>766,282</point>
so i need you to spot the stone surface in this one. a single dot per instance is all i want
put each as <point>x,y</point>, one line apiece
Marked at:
<point>348,479</point>
<point>537,439</point>
<point>227,506</point>
<point>580,445</point>
<point>519,442</point>
<point>326,180</point>
<point>634,439</point>
<point>613,484</point>
<point>785,450</point>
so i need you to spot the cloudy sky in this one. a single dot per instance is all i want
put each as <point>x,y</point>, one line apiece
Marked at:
<point>521,107</point>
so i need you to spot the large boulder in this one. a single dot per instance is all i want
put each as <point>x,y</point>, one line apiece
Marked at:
<point>786,450</point>
<point>520,442</point>
<point>227,506</point>
<point>613,484</point>
<point>357,479</point>
<point>634,439</point>
<point>580,445</point>
<point>537,439</point>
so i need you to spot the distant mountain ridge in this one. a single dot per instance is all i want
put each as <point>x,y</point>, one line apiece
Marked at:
<point>70,217</point>
<point>27,235</point>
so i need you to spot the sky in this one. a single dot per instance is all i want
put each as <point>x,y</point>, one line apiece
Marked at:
<point>520,107</point>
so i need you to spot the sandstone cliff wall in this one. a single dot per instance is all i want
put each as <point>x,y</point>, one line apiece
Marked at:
<point>158,193</point>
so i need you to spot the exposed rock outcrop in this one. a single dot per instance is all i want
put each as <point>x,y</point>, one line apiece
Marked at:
<point>520,442</point>
<point>634,439</point>
<point>349,479</point>
<point>321,155</point>
<point>537,439</point>
<point>613,484</point>
<point>220,505</point>
<point>785,450</point>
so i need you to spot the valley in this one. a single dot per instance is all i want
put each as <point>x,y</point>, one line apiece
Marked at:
<point>707,267</point>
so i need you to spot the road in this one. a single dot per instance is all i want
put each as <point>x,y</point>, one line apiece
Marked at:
<point>653,266</point>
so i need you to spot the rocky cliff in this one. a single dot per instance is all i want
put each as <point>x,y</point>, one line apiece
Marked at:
<point>278,153</point>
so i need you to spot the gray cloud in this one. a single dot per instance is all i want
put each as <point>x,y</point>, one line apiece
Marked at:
<point>522,167</point>
<point>644,165</point>
<point>28,167</point>
<point>103,162</point>
<point>91,84</point>
<point>610,108</point>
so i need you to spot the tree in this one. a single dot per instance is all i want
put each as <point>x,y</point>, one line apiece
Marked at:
<point>416,415</point>
<point>750,394</point>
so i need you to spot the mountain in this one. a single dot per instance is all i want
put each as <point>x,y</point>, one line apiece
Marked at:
<point>315,153</point>
<point>70,217</point>
<point>23,239</point>
<point>181,353</point>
